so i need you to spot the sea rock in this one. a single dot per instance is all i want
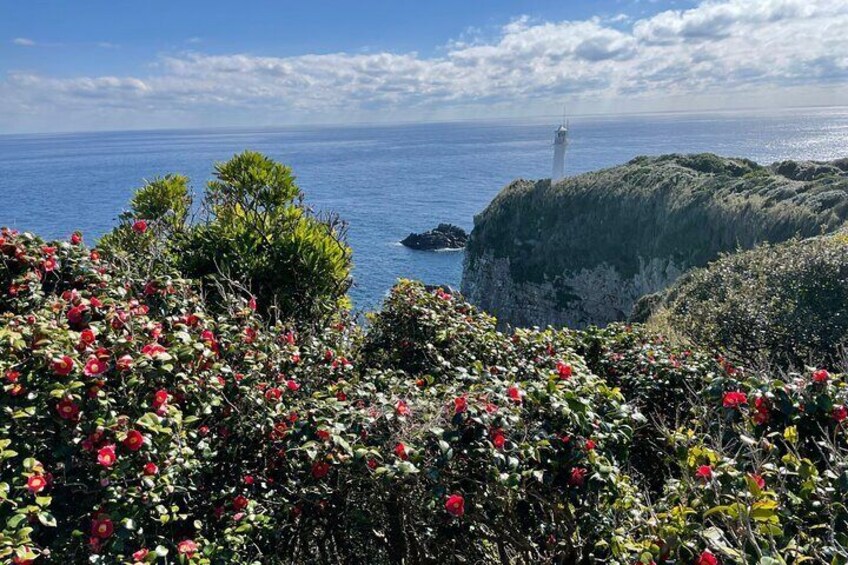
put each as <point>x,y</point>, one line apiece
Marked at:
<point>583,250</point>
<point>445,236</point>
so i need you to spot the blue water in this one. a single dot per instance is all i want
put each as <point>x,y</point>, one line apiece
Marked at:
<point>385,181</point>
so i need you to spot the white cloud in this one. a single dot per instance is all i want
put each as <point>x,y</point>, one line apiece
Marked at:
<point>744,51</point>
<point>23,42</point>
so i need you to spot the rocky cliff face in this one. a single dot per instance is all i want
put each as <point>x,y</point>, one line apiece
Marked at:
<point>584,250</point>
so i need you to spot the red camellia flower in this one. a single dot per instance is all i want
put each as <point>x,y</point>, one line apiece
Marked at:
<point>102,527</point>
<point>704,472</point>
<point>76,238</point>
<point>577,476</point>
<point>63,365</point>
<point>76,314</point>
<point>87,336</point>
<point>152,350</point>
<point>141,554</point>
<point>563,370</point>
<point>320,469</point>
<point>514,393</point>
<point>840,413</point>
<point>323,435</point>
<point>292,385</point>
<point>460,404</point>
<point>150,469</point>
<point>134,440</point>
<point>106,456</point>
<point>94,367</point>
<point>187,547</point>
<point>124,363</point>
<point>49,265</point>
<point>820,376</point>
<point>402,408</point>
<point>498,438</point>
<point>36,483</point>
<point>707,558</point>
<point>762,412</point>
<point>139,226</point>
<point>67,409</point>
<point>400,451</point>
<point>734,399</point>
<point>160,397</point>
<point>240,503</point>
<point>455,505</point>
<point>273,394</point>
<point>758,480</point>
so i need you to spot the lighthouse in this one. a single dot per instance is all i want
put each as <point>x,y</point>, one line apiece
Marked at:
<point>560,143</point>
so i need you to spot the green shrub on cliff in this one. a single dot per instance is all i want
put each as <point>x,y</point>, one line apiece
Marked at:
<point>785,304</point>
<point>257,234</point>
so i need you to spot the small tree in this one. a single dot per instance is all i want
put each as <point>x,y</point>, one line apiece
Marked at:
<point>261,236</point>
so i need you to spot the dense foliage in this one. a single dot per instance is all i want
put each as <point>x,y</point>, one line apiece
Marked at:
<point>147,420</point>
<point>583,250</point>
<point>686,208</point>
<point>256,235</point>
<point>777,304</point>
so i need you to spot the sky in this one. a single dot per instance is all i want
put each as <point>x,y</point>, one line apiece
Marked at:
<point>110,65</point>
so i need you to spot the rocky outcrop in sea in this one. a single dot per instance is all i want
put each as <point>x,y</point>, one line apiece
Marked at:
<point>445,236</point>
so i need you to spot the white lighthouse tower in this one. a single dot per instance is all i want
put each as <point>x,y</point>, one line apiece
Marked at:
<point>560,143</point>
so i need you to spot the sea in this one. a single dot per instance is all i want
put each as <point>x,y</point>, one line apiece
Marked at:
<point>385,181</point>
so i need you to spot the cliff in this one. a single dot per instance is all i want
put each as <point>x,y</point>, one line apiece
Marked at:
<point>583,250</point>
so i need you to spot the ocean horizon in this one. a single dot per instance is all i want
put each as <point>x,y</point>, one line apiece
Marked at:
<point>385,181</point>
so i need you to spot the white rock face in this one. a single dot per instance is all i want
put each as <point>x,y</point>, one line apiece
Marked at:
<point>596,296</point>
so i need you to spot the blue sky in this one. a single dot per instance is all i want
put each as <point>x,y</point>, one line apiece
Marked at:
<point>67,66</point>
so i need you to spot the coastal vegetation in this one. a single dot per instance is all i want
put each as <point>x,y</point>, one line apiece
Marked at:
<point>782,304</point>
<point>198,392</point>
<point>583,250</point>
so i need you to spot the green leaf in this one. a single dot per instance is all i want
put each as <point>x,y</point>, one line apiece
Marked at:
<point>47,519</point>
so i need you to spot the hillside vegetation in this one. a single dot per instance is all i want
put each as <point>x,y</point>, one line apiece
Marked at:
<point>155,412</point>
<point>584,249</point>
<point>783,304</point>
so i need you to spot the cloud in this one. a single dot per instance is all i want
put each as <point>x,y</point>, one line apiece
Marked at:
<point>23,42</point>
<point>742,49</point>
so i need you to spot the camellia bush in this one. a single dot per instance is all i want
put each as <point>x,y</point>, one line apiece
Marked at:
<point>137,428</point>
<point>154,416</point>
